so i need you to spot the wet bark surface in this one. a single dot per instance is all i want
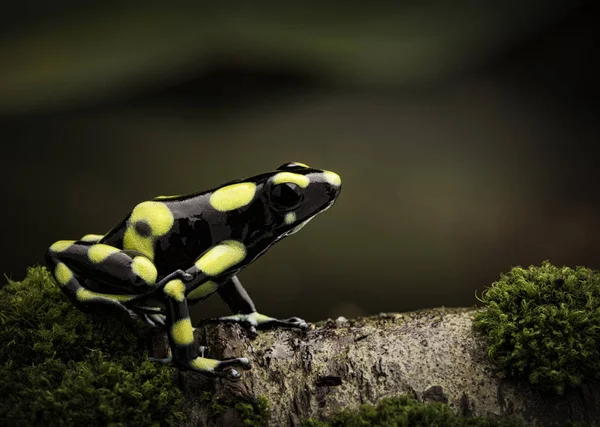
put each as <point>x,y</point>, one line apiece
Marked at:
<point>431,355</point>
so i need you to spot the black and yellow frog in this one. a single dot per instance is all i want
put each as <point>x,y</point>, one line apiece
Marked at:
<point>173,251</point>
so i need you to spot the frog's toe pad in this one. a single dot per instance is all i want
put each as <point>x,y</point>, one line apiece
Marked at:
<point>296,322</point>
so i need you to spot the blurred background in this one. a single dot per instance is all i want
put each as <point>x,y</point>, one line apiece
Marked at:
<point>465,134</point>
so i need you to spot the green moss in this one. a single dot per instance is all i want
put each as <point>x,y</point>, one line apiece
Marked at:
<point>543,324</point>
<point>256,413</point>
<point>403,411</point>
<point>253,412</point>
<point>62,367</point>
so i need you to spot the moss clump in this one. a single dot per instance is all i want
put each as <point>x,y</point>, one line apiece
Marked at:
<point>252,412</point>
<point>543,323</point>
<point>255,413</point>
<point>62,367</point>
<point>406,412</point>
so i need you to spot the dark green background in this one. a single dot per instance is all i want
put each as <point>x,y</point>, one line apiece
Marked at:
<point>464,133</point>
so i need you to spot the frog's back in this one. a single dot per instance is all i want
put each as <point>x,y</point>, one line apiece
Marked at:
<point>171,231</point>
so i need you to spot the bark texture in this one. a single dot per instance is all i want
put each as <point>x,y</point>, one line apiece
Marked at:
<point>432,355</point>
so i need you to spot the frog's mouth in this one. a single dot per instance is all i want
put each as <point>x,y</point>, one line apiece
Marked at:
<point>298,227</point>
<point>303,223</point>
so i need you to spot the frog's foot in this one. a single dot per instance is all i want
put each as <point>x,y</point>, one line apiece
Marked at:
<point>210,367</point>
<point>219,368</point>
<point>255,320</point>
<point>154,320</point>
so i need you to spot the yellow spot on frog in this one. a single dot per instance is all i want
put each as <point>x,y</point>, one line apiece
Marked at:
<point>203,290</point>
<point>290,217</point>
<point>144,268</point>
<point>132,240</point>
<point>204,364</point>
<point>156,214</point>
<point>167,197</point>
<point>233,196</point>
<point>98,253</point>
<point>175,289</point>
<point>261,318</point>
<point>62,273</point>
<point>332,178</point>
<point>86,295</point>
<point>61,245</point>
<point>182,332</point>
<point>91,237</point>
<point>295,178</point>
<point>160,220</point>
<point>221,257</point>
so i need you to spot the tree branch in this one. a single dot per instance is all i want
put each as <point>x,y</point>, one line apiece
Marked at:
<point>432,355</point>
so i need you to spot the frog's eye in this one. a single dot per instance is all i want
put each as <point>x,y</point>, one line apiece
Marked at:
<point>286,196</point>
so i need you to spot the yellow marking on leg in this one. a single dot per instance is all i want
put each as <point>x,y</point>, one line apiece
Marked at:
<point>91,237</point>
<point>295,178</point>
<point>203,290</point>
<point>132,240</point>
<point>167,197</point>
<point>290,217</point>
<point>62,273</point>
<point>98,253</point>
<point>332,178</point>
<point>144,268</point>
<point>261,318</point>
<point>83,295</point>
<point>233,196</point>
<point>61,245</point>
<point>175,289</point>
<point>203,364</point>
<point>221,257</point>
<point>182,332</point>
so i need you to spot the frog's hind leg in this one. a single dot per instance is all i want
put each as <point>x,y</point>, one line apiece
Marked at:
<point>185,353</point>
<point>72,261</point>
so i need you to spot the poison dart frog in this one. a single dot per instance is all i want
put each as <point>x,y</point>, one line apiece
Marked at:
<point>174,251</point>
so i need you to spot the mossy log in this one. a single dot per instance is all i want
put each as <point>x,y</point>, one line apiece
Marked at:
<point>431,355</point>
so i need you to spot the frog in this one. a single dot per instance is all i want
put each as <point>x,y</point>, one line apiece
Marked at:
<point>172,252</point>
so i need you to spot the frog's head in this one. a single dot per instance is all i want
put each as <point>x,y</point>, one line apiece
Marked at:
<point>295,193</point>
<point>266,208</point>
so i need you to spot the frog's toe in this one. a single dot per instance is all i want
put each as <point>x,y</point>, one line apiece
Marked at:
<point>250,330</point>
<point>164,360</point>
<point>159,319</point>
<point>292,322</point>
<point>225,370</point>
<point>233,374</point>
<point>236,361</point>
<point>203,350</point>
<point>220,368</point>
<point>154,320</point>
<point>296,322</point>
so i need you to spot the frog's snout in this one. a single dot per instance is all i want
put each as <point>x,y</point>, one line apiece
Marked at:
<point>332,178</point>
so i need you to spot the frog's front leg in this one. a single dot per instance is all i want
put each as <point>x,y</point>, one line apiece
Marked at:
<point>185,353</point>
<point>238,300</point>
